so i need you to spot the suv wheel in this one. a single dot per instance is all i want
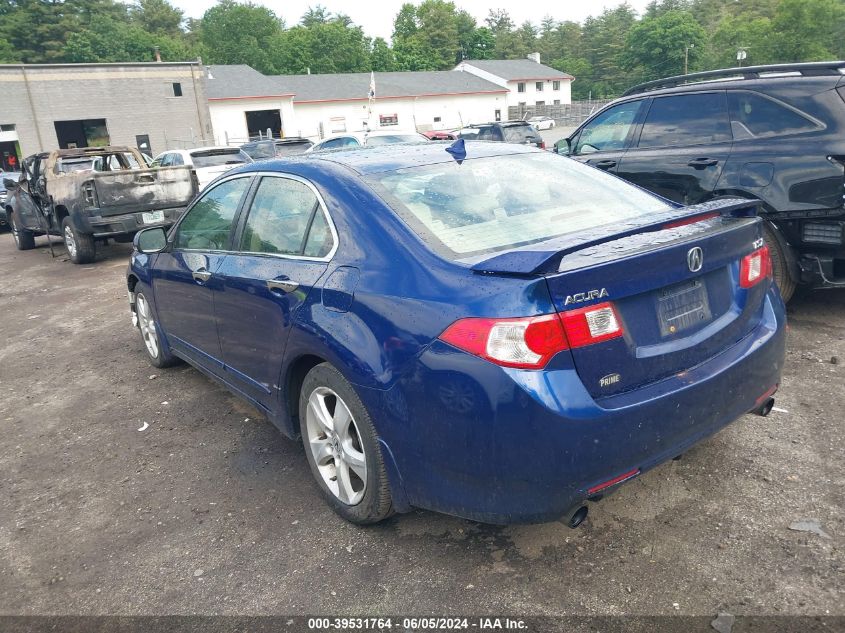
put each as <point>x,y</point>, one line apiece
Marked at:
<point>24,240</point>
<point>781,260</point>
<point>342,447</point>
<point>80,246</point>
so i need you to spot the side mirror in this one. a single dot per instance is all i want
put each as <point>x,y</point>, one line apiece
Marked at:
<point>9,183</point>
<point>151,240</point>
<point>563,147</point>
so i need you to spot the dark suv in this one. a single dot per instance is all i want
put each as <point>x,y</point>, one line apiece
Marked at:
<point>775,133</point>
<point>520,132</point>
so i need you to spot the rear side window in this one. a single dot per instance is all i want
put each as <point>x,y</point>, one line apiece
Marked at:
<point>686,120</point>
<point>490,204</point>
<point>755,116</point>
<point>207,225</point>
<point>280,218</point>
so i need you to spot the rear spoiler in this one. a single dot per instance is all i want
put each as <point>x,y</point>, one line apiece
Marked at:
<point>544,257</point>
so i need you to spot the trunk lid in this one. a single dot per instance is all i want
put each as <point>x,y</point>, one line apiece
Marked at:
<point>673,316</point>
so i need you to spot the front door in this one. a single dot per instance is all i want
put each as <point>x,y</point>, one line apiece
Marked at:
<point>185,275</point>
<point>602,142</point>
<point>284,244</point>
<point>683,146</point>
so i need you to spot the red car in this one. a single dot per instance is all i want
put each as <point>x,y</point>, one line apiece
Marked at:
<point>440,135</point>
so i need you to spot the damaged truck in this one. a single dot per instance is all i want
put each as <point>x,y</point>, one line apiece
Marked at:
<point>93,194</point>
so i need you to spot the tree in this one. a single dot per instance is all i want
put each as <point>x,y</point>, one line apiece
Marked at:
<point>381,56</point>
<point>232,33</point>
<point>808,30</point>
<point>656,46</point>
<point>331,46</point>
<point>158,17</point>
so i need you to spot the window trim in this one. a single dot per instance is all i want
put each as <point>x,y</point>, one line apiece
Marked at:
<point>243,215</point>
<point>171,236</point>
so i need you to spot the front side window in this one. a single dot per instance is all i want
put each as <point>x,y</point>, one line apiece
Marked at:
<point>686,120</point>
<point>609,130</point>
<point>285,218</point>
<point>485,205</point>
<point>755,116</point>
<point>208,224</point>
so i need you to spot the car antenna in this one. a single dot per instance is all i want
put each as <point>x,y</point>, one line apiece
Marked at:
<point>458,150</point>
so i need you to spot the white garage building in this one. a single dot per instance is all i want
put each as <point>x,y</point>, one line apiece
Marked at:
<point>243,102</point>
<point>529,83</point>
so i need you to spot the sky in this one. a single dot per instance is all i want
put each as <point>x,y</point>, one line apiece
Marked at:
<point>376,17</point>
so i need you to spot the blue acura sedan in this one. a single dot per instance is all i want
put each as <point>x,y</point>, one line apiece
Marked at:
<point>489,331</point>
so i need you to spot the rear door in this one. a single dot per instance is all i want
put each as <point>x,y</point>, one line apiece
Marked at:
<point>603,141</point>
<point>185,276</point>
<point>283,247</point>
<point>682,147</point>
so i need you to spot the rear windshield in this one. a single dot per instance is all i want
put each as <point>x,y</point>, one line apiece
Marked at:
<point>294,147</point>
<point>218,157</point>
<point>393,138</point>
<point>518,132</point>
<point>485,205</point>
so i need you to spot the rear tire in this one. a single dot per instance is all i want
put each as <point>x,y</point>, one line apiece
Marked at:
<point>80,246</point>
<point>342,447</point>
<point>24,240</point>
<point>781,260</point>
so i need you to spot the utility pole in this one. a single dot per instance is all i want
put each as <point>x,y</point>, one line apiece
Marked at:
<point>686,57</point>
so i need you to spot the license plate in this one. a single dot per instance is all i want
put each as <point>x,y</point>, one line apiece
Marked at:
<point>151,217</point>
<point>682,306</point>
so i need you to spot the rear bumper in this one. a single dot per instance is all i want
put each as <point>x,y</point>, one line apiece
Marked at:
<point>124,224</point>
<point>510,446</point>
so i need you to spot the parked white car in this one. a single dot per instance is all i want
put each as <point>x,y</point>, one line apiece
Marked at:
<point>542,122</point>
<point>208,162</point>
<point>351,140</point>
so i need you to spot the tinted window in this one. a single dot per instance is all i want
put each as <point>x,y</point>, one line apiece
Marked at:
<point>279,217</point>
<point>208,223</point>
<point>609,130</point>
<point>495,203</point>
<point>335,143</point>
<point>754,116</point>
<point>686,120</point>
<point>176,160</point>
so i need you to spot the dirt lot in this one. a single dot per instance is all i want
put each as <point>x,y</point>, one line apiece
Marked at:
<point>209,510</point>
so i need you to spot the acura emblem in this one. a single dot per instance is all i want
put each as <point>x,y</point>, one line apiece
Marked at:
<point>695,259</point>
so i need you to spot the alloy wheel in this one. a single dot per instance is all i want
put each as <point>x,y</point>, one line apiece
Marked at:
<point>70,242</point>
<point>147,326</point>
<point>336,446</point>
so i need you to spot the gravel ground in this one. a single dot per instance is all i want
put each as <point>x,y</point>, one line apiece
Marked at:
<point>210,511</point>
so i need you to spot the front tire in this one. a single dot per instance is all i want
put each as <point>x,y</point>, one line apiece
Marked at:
<point>80,246</point>
<point>781,258</point>
<point>24,240</point>
<point>157,353</point>
<point>342,447</point>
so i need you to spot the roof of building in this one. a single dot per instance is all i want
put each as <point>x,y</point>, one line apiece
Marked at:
<point>517,69</point>
<point>239,81</point>
<point>356,86</point>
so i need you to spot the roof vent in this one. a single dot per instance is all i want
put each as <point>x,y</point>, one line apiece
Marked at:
<point>534,57</point>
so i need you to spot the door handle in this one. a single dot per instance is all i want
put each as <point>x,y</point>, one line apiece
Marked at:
<point>283,285</point>
<point>701,163</point>
<point>201,275</point>
<point>605,164</point>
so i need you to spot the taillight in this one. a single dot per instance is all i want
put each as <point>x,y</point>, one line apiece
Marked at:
<point>527,342</point>
<point>594,324</point>
<point>530,342</point>
<point>755,267</point>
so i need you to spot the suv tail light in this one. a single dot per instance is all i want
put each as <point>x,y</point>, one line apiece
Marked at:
<point>530,342</point>
<point>755,267</point>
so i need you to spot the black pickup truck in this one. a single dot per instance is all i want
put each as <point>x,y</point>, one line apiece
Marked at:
<point>93,194</point>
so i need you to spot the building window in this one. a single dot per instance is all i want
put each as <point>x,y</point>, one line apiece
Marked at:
<point>539,86</point>
<point>520,87</point>
<point>7,127</point>
<point>177,89</point>
<point>385,120</point>
<point>557,101</point>
<point>498,115</point>
<point>337,124</point>
<point>555,85</point>
<point>539,103</point>
<point>437,119</point>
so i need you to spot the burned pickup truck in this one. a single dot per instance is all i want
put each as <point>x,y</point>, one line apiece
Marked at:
<point>93,194</point>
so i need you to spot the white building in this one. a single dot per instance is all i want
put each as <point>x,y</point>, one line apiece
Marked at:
<point>243,102</point>
<point>529,83</point>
